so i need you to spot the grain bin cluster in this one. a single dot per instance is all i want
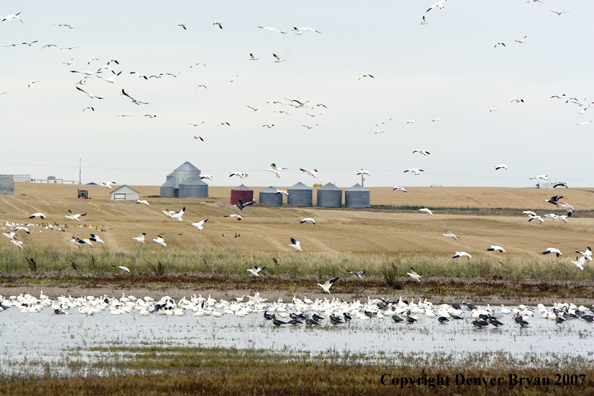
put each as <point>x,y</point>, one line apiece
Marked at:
<point>328,196</point>
<point>184,182</point>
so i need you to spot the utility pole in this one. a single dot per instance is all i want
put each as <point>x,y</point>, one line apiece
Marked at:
<point>79,170</point>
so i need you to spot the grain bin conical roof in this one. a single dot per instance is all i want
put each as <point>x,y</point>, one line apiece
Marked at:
<point>186,167</point>
<point>242,187</point>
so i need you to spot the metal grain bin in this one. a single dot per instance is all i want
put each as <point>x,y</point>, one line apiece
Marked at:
<point>357,197</point>
<point>168,190</point>
<point>242,192</point>
<point>300,195</point>
<point>185,171</point>
<point>329,196</point>
<point>270,197</point>
<point>193,188</point>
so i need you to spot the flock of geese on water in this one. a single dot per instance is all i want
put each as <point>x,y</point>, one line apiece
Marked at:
<point>301,311</point>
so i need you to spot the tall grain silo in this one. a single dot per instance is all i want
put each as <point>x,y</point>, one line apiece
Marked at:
<point>185,171</point>
<point>168,189</point>
<point>242,192</point>
<point>193,188</point>
<point>329,196</point>
<point>300,195</point>
<point>270,197</point>
<point>357,197</point>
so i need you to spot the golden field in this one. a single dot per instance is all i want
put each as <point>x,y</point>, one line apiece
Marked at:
<point>407,233</point>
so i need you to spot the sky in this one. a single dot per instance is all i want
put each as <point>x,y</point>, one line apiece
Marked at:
<point>448,69</point>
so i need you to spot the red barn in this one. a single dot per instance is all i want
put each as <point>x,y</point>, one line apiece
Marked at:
<point>242,192</point>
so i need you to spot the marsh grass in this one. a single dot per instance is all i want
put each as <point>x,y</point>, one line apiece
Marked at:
<point>175,370</point>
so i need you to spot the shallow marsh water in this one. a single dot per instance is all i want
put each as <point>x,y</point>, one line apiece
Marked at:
<point>33,342</point>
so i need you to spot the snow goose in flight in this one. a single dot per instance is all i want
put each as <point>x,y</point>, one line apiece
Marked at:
<point>199,225</point>
<point>89,108</point>
<point>497,248</point>
<point>84,241</point>
<point>9,235</point>
<point>160,241</point>
<point>268,126</point>
<point>295,245</point>
<point>122,268</point>
<point>254,271</point>
<point>449,234</point>
<point>179,215</point>
<point>138,201</point>
<point>277,59</point>
<point>13,16</point>
<point>400,189</point>
<point>182,25</point>
<point>521,41</point>
<point>253,58</point>
<point>33,82</point>
<point>207,177</point>
<point>376,132</point>
<point>107,184</point>
<point>535,218</point>
<point>587,254</point>
<point>218,24</point>
<point>410,121</point>
<point>21,229</point>
<point>284,192</point>
<point>413,274</point>
<point>88,94</point>
<point>438,4</point>
<point>313,173</point>
<point>326,286</point>
<point>241,205</point>
<point>424,21</point>
<point>301,30</point>
<point>38,214</point>
<point>17,243</point>
<point>308,219</point>
<point>199,138</point>
<point>541,177</point>
<point>72,216</point>
<point>435,119</point>
<point>503,44</point>
<point>383,122</point>
<point>579,262</point>
<point>517,101</point>
<point>567,207</point>
<point>366,75</point>
<point>271,29</point>
<point>241,175</point>
<point>462,254</point>
<point>556,251</point>
<point>529,213</point>
<point>426,210</point>
<point>358,274</point>
<point>584,123</point>
<point>560,12</point>
<point>560,184</point>
<point>363,172</point>
<point>493,109</point>
<point>500,166</point>
<point>95,238</point>
<point>235,216</point>
<point>424,152</point>
<point>75,240</point>
<point>415,171</point>
<point>136,102</point>
<point>140,237</point>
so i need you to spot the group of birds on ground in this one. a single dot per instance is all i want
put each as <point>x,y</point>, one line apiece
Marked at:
<point>300,311</point>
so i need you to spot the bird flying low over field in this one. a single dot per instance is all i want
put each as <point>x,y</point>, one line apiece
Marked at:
<point>413,274</point>
<point>107,184</point>
<point>38,214</point>
<point>326,286</point>
<point>308,219</point>
<point>295,245</point>
<point>587,254</point>
<point>160,241</point>
<point>579,262</point>
<point>95,238</point>
<point>241,205</point>
<point>400,189</point>
<point>241,175</point>
<point>449,234</point>
<point>358,274</point>
<point>235,216</point>
<point>72,216</point>
<point>461,254</point>
<point>200,224</point>
<point>140,237</point>
<point>535,218</point>
<point>415,171</point>
<point>138,201</point>
<point>555,251</point>
<point>122,268</point>
<point>313,173</point>
<point>254,271</point>
<point>276,170</point>
<point>426,210</point>
<point>497,248</point>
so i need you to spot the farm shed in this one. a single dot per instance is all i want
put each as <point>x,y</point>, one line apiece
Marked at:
<point>242,192</point>
<point>124,193</point>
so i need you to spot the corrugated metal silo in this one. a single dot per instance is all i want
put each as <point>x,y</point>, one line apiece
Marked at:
<point>193,188</point>
<point>185,171</point>
<point>300,195</point>
<point>357,197</point>
<point>329,196</point>
<point>168,190</point>
<point>242,192</point>
<point>270,197</point>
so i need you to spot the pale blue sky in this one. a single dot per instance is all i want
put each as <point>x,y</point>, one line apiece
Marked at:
<point>447,69</point>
